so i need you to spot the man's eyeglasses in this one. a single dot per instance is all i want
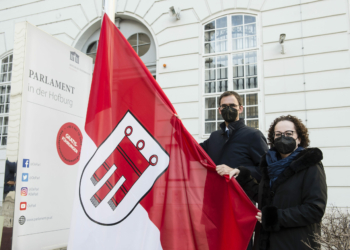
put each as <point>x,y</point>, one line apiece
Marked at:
<point>288,133</point>
<point>224,106</point>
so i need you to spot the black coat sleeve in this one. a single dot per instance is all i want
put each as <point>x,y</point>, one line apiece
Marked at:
<point>248,183</point>
<point>204,145</point>
<point>257,148</point>
<point>313,205</point>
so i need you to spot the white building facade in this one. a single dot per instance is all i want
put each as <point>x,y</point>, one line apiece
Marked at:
<point>219,45</point>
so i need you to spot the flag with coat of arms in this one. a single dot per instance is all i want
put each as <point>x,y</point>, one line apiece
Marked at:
<point>144,182</point>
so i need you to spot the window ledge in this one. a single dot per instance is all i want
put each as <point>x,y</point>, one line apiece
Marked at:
<point>238,92</point>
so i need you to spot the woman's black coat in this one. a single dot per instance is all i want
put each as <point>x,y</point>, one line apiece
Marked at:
<point>293,207</point>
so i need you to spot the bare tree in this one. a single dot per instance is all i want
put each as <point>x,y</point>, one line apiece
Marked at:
<point>335,230</point>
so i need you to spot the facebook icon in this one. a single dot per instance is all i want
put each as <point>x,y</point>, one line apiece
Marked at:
<point>26,163</point>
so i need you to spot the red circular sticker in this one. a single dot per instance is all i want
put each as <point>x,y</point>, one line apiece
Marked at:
<point>68,143</point>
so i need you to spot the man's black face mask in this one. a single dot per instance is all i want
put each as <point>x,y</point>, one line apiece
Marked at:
<point>229,114</point>
<point>285,145</point>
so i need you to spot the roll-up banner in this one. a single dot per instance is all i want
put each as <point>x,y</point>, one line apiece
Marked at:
<point>53,81</point>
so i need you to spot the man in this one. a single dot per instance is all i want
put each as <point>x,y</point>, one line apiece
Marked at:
<point>235,144</point>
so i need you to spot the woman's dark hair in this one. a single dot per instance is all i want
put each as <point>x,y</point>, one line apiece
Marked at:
<point>300,128</point>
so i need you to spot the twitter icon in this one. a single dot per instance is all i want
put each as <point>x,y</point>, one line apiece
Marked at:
<point>25,177</point>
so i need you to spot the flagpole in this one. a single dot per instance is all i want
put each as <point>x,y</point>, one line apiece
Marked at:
<point>109,9</point>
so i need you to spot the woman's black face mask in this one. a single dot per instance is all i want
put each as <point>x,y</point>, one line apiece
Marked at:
<point>229,114</point>
<point>285,145</point>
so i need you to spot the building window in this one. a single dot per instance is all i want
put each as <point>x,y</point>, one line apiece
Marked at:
<point>243,32</point>
<point>216,77</point>
<point>6,69</point>
<point>213,118</point>
<point>212,115</point>
<point>245,73</point>
<point>230,63</point>
<point>92,50</point>
<point>140,42</point>
<point>5,89</point>
<point>250,112</point>
<point>215,36</point>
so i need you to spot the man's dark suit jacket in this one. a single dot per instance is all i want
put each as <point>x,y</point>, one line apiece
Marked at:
<point>244,147</point>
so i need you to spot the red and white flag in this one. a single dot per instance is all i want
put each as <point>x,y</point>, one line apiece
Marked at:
<point>144,182</point>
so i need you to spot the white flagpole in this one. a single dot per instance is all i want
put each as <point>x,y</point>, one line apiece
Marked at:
<point>109,9</point>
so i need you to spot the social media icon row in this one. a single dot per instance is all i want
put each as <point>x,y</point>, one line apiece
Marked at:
<point>24,190</point>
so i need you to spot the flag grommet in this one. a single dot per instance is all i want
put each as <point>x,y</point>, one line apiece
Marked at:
<point>128,130</point>
<point>153,160</point>
<point>140,144</point>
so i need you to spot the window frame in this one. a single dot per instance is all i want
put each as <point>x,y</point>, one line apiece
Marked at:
<point>7,95</point>
<point>137,46</point>
<point>229,39</point>
<point>259,90</point>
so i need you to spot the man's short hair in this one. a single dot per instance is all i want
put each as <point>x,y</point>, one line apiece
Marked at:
<point>228,93</point>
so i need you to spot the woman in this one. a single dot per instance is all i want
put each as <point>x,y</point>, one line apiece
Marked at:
<point>292,193</point>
